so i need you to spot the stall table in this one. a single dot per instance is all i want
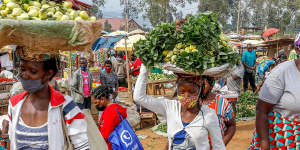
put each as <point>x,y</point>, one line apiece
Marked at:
<point>155,87</point>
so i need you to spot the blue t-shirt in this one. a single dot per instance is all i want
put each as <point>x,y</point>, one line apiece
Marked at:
<point>249,58</point>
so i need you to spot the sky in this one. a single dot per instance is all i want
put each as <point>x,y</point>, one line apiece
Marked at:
<point>112,8</point>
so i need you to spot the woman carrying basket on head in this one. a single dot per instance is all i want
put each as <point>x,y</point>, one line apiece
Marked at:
<point>189,122</point>
<point>277,110</point>
<point>42,118</point>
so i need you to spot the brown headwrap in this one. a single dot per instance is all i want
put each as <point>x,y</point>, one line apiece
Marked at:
<point>35,55</point>
<point>188,78</point>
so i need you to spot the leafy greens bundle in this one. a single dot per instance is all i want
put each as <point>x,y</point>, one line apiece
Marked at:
<point>200,45</point>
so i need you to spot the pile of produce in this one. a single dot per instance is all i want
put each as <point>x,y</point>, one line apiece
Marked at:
<point>158,77</point>
<point>200,45</point>
<point>246,105</point>
<point>41,10</point>
<point>94,69</point>
<point>3,79</point>
<point>163,127</point>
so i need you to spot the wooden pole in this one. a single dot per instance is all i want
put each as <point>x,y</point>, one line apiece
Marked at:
<point>70,55</point>
<point>238,19</point>
<point>127,61</point>
<point>277,49</point>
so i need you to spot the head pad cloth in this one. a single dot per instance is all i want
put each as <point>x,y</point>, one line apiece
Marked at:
<point>34,55</point>
<point>215,72</point>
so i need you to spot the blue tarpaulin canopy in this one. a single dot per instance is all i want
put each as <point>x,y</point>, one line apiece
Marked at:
<point>106,42</point>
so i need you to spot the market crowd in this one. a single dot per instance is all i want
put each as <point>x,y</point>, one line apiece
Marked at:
<point>199,116</point>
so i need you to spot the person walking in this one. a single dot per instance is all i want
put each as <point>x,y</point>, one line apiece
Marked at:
<point>277,109</point>
<point>248,60</point>
<point>81,85</point>
<point>109,118</point>
<point>41,117</point>
<point>110,79</point>
<point>119,67</point>
<point>234,81</point>
<point>189,122</point>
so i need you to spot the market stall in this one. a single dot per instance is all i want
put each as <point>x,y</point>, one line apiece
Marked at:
<point>103,45</point>
<point>126,44</point>
<point>273,46</point>
<point>158,83</point>
<point>5,86</point>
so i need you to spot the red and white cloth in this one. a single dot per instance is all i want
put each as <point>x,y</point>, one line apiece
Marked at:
<point>74,118</point>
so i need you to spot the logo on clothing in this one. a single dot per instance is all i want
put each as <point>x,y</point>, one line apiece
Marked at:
<point>126,138</point>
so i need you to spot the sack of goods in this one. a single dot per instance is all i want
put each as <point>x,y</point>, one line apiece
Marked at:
<point>46,25</point>
<point>199,47</point>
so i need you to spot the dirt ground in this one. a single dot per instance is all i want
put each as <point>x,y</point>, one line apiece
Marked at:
<point>240,140</point>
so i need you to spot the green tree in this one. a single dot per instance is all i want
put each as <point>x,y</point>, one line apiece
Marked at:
<point>218,6</point>
<point>282,14</point>
<point>122,28</point>
<point>257,18</point>
<point>95,9</point>
<point>133,10</point>
<point>107,26</point>
<point>157,11</point>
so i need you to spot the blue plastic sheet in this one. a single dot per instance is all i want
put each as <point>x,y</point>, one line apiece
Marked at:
<point>106,42</point>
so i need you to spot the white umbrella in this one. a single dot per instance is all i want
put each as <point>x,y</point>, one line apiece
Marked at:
<point>120,46</point>
<point>253,42</point>
<point>115,33</point>
<point>137,31</point>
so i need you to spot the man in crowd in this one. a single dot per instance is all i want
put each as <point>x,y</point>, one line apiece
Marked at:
<point>112,56</point>
<point>248,60</point>
<point>282,56</point>
<point>81,85</point>
<point>110,79</point>
<point>119,68</point>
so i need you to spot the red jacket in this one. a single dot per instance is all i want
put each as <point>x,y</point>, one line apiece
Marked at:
<point>109,120</point>
<point>135,65</point>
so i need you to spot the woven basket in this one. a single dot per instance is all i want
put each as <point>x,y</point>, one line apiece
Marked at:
<point>221,71</point>
<point>3,106</point>
<point>5,87</point>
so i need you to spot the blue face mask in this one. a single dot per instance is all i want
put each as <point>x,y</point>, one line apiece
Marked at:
<point>31,86</point>
<point>83,68</point>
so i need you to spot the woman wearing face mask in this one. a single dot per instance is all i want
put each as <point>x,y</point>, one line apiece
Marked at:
<point>189,122</point>
<point>39,116</point>
<point>277,109</point>
<point>109,118</point>
<point>109,78</point>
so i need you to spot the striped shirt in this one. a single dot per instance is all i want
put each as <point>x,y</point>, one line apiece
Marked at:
<point>223,110</point>
<point>31,138</point>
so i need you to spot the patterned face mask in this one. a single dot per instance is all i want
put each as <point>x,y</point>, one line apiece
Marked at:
<point>188,101</point>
